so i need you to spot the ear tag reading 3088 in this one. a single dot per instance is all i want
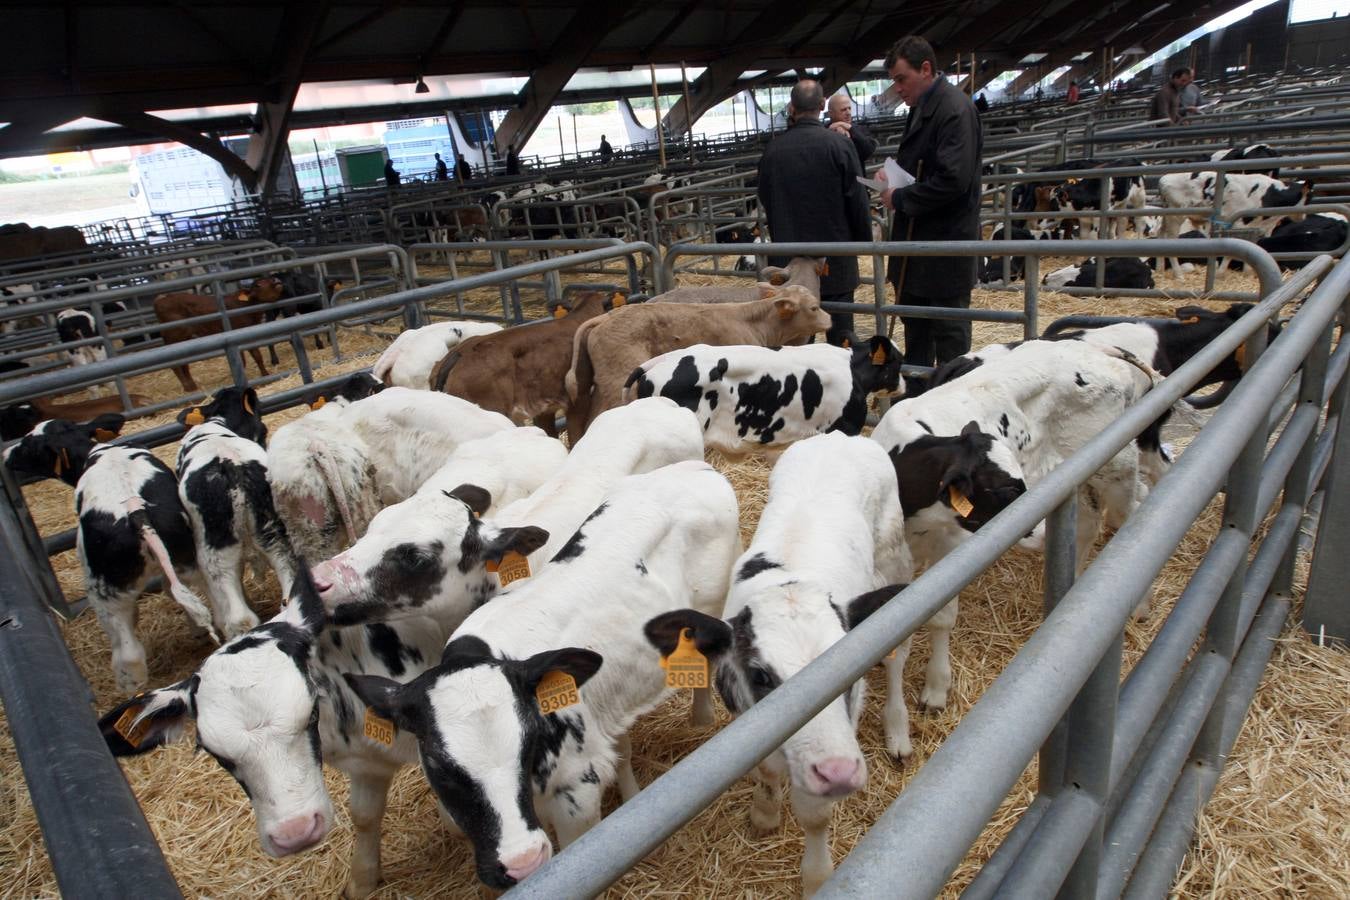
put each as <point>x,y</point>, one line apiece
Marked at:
<point>512,567</point>
<point>378,729</point>
<point>556,690</point>
<point>685,667</point>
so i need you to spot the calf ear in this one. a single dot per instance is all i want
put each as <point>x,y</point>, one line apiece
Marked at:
<point>191,416</point>
<point>712,636</point>
<point>786,305</point>
<point>767,290</point>
<point>471,495</point>
<point>149,719</point>
<point>880,350</point>
<point>249,400</point>
<point>524,540</point>
<point>579,663</point>
<point>105,427</point>
<point>863,605</point>
<point>386,699</point>
<point>775,276</point>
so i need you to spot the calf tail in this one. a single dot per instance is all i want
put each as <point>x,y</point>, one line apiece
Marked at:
<point>441,374</point>
<point>193,605</point>
<point>336,487</point>
<point>581,375</point>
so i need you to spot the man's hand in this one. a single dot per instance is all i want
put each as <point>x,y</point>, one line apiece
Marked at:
<point>840,128</point>
<point>886,193</point>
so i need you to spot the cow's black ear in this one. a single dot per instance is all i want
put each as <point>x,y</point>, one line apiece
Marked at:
<point>972,429</point>
<point>580,663</point>
<point>471,495</point>
<point>863,605</point>
<point>387,699</point>
<point>105,427</point>
<point>711,636</point>
<point>524,540</point>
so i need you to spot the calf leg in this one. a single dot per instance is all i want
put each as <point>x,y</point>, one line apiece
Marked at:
<point>116,611</point>
<point>766,809</point>
<point>938,677</point>
<point>369,793</point>
<point>814,815</point>
<point>185,379</point>
<point>628,784</point>
<point>257,358</point>
<point>701,711</point>
<point>896,713</point>
<point>223,569</point>
<point>272,355</point>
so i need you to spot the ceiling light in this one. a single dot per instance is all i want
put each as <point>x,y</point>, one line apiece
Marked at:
<point>421,87</point>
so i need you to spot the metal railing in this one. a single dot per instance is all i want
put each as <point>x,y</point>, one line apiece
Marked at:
<point>1060,696</point>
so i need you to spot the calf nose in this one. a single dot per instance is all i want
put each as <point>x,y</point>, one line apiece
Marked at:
<point>522,865</point>
<point>294,835</point>
<point>838,775</point>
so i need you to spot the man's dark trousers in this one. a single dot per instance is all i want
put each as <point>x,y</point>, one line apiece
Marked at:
<point>841,323</point>
<point>931,342</point>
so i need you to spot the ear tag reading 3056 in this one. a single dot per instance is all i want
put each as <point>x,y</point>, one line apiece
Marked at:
<point>960,502</point>
<point>512,567</point>
<point>556,690</point>
<point>378,729</point>
<point>130,730</point>
<point>685,667</point>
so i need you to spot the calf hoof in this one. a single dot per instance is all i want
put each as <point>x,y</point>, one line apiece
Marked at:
<point>764,824</point>
<point>933,701</point>
<point>237,626</point>
<point>354,890</point>
<point>131,677</point>
<point>899,751</point>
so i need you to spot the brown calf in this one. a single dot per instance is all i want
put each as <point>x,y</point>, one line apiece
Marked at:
<point>170,308</point>
<point>800,270</point>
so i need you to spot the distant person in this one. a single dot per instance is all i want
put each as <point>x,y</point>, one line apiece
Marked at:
<point>1190,99</point>
<point>1167,102</point>
<point>981,105</point>
<point>391,176</point>
<point>463,171</point>
<point>606,151</point>
<point>442,170</point>
<point>1072,97</point>
<point>839,117</point>
<point>512,161</point>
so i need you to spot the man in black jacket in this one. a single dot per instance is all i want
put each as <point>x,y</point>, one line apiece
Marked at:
<point>839,112</point>
<point>941,148</point>
<point>808,186</point>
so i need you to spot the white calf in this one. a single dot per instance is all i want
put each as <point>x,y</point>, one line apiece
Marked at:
<point>408,361</point>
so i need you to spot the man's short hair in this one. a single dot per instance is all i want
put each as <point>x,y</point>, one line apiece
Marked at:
<point>1184,70</point>
<point>913,49</point>
<point>807,96</point>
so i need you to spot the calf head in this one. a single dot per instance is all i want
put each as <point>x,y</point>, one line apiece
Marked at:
<point>485,745</point>
<point>235,408</point>
<point>267,289</point>
<point>975,476</point>
<point>357,387</point>
<point>783,627</point>
<point>1196,327</point>
<point>256,706</point>
<point>60,449</point>
<point>876,367</point>
<point>424,556</point>
<point>796,310</point>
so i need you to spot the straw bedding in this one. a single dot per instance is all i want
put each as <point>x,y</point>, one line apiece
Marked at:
<point>1275,827</point>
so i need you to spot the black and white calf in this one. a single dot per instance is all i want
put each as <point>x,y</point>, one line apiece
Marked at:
<point>1084,195</point>
<point>408,361</point>
<point>130,520</point>
<point>1241,192</point>
<point>991,267</point>
<point>748,397</point>
<point>829,541</point>
<point>498,763</point>
<point>1250,151</point>
<point>222,481</point>
<point>1121,272</point>
<point>1318,232</point>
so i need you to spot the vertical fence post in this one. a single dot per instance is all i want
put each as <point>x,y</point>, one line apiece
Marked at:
<point>1031,276</point>
<point>1298,485</point>
<point>1061,543</point>
<point>1326,609</point>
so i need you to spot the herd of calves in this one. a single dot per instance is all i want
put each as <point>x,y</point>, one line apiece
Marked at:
<point>472,596</point>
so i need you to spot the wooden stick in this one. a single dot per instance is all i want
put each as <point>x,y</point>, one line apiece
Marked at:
<point>904,260</point>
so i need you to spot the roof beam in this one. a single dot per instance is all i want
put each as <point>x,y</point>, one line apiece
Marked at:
<point>145,123</point>
<point>294,40</point>
<point>360,24</point>
<point>827,19</point>
<point>669,28</point>
<point>447,25</point>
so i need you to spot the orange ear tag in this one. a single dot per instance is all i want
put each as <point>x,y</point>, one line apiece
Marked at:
<point>824,269</point>
<point>248,407</point>
<point>318,404</point>
<point>685,667</point>
<point>556,690</point>
<point>1191,321</point>
<point>879,356</point>
<point>195,417</point>
<point>378,729</point>
<point>1240,354</point>
<point>512,567</point>
<point>617,300</point>
<point>785,312</point>
<point>103,434</point>
<point>960,502</point>
<point>559,312</point>
<point>132,732</point>
<point>846,344</point>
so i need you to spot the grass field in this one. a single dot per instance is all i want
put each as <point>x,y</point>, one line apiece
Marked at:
<point>79,199</point>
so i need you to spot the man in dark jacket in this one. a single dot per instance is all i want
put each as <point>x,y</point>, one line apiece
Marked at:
<point>808,186</point>
<point>463,171</point>
<point>941,149</point>
<point>839,111</point>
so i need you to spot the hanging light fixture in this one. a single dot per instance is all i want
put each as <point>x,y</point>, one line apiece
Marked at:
<point>421,87</point>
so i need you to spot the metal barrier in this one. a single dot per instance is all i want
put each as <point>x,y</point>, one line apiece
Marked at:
<point>1061,696</point>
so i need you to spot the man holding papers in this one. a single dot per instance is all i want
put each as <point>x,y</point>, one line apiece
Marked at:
<point>941,151</point>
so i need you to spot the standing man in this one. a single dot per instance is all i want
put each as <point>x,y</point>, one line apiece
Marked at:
<point>606,151</point>
<point>442,170</point>
<point>391,175</point>
<point>941,149</point>
<point>808,186</point>
<point>463,171</point>
<point>839,112</point>
<point>1167,102</point>
<point>1073,94</point>
<point>1189,98</point>
<point>512,160</point>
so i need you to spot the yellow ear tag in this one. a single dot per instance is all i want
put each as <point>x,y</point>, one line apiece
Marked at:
<point>1191,321</point>
<point>130,730</point>
<point>512,567</point>
<point>785,312</point>
<point>824,269</point>
<point>685,667</point>
<point>194,417</point>
<point>617,300</point>
<point>243,297</point>
<point>337,285</point>
<point>960,503</point>
<point>56,469</point>
<point>879,356</point>
<point>378,729</point>
<point>248,407</point>
<point>556,690</point>
<point>559,312</point>
<point>103,434</point>
<point>317,404</point>
<point>847,344</point>
<point>1240,354</point>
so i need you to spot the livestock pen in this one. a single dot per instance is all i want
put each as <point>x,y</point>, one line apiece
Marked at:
<point>203,823</point>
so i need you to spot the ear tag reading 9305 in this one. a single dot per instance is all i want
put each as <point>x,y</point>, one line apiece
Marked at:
<point>960,502</point>
<point>556,690</point>
<point>685,667</point>
<point>378,729</point>
<point>132,732</point>
<point>512,567</point>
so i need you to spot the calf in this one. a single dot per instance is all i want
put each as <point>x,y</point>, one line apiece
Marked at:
<point>222,482</point>
<point>991,267</point>
<point>965,450</point>
<point>605,351</point>
<point>1250,151</point>
<point>18,419</point>
<point>286,286</point>
<point>1083,194</point>
<point>498,760</point>
<point>519,372</point>
<point>748,396</point>
<point>1316,233</point>
<point>830,535</point>
<point>411,358</point>
<point>403,568</point>
<point>1241,192</point>
<point>800,270</point>
<point>740,233</point>
<point>130,518</point>
<point>1121,272</point>
<point>180,307</point>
